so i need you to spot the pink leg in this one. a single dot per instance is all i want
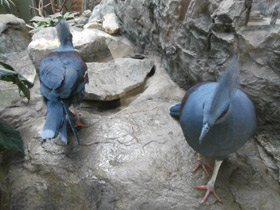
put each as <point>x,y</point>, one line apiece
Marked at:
<point>210,189</point>
<point>202,164</point>
<point>210,185</point>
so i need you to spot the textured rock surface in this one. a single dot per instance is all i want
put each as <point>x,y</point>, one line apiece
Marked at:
<point>14,39</point>
<point>13,34</point>
<point>23,64</point>
<point>133,157</point>
<point>81,20</point>
<point>114,79</point>
<point>93,44</point>
<point>43,42</point>
<point>92,3</point>
<point>197,38</point>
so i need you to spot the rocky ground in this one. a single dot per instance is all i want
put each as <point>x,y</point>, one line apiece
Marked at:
<point>133,155</point>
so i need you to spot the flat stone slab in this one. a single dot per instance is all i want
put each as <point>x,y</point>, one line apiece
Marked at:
<point>113,80</point>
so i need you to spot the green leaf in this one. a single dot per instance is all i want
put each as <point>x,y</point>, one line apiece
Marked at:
<point>37,28</point>
<point>7,75</point>
<point>56,15</point>
<point>37,19</point>
<point>12,76</point>
<point>8,3</point>
<point>6,66</point>
<point>70,15</point>
<point>42,22</point>
<point>10,138</point>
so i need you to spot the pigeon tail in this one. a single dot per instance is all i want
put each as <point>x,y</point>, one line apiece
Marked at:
<point>175,109</point>
<point>63,131</point>
<point>54,119</point>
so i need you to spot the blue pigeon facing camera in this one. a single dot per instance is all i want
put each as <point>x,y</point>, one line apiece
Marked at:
<point>63,76</point>
<point>217,118</point>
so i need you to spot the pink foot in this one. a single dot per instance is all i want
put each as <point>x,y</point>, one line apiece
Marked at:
<point>210,189</point>
<point>79,124</point>
<point>202,164</point>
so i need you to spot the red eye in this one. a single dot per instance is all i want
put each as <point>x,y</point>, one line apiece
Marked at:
<point>224,113</point>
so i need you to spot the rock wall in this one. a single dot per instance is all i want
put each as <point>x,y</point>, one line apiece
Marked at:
<point>196,39</point>
<point>90,4</point>
<point>13,34</point>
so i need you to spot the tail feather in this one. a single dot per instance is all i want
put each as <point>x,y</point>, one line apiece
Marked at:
<point>174,110</point>
<point>53,121</point>
<point>70,122</point>
<point>63,131</point>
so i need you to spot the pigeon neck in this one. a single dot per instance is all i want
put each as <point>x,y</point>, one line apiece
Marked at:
<point>65,47</point>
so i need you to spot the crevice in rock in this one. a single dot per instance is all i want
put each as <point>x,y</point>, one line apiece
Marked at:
<point>120,103</point>
<point>268,157</point>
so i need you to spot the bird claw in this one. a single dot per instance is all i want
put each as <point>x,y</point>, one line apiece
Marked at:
<point>210,189</point>
<point>202,164</point>
<point>79,124</point>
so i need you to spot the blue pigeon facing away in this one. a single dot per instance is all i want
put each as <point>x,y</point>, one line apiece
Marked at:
<point>217,118</point>
<point>63,75</point>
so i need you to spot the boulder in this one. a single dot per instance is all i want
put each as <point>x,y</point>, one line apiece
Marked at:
<point>93,44</point>
<point>82,19</point>
<point>93,3</point>
<point>110,23</point>
<point>132,157</point>
<point>14,36</point>
<point>103,8</point>
<point>115,79</point>
<point>95,20</point>
<point>43,42</point>
<point>103,17</point>
<point>23,64</point>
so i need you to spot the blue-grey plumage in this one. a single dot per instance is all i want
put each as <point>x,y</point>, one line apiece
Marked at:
<point>217,118</point>
<point>63,75</point>
<point>175,109</point>
<point>229,128</point>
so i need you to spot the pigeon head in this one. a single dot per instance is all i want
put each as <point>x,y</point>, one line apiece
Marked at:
<point>217,107</point>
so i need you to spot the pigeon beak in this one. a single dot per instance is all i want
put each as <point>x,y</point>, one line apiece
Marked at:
<point>203,133</point>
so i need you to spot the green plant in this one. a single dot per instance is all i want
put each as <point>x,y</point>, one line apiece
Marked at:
<point>7,73</point>
<point>50,21</point>
<point>10,138</point>
<point>8,3</point>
